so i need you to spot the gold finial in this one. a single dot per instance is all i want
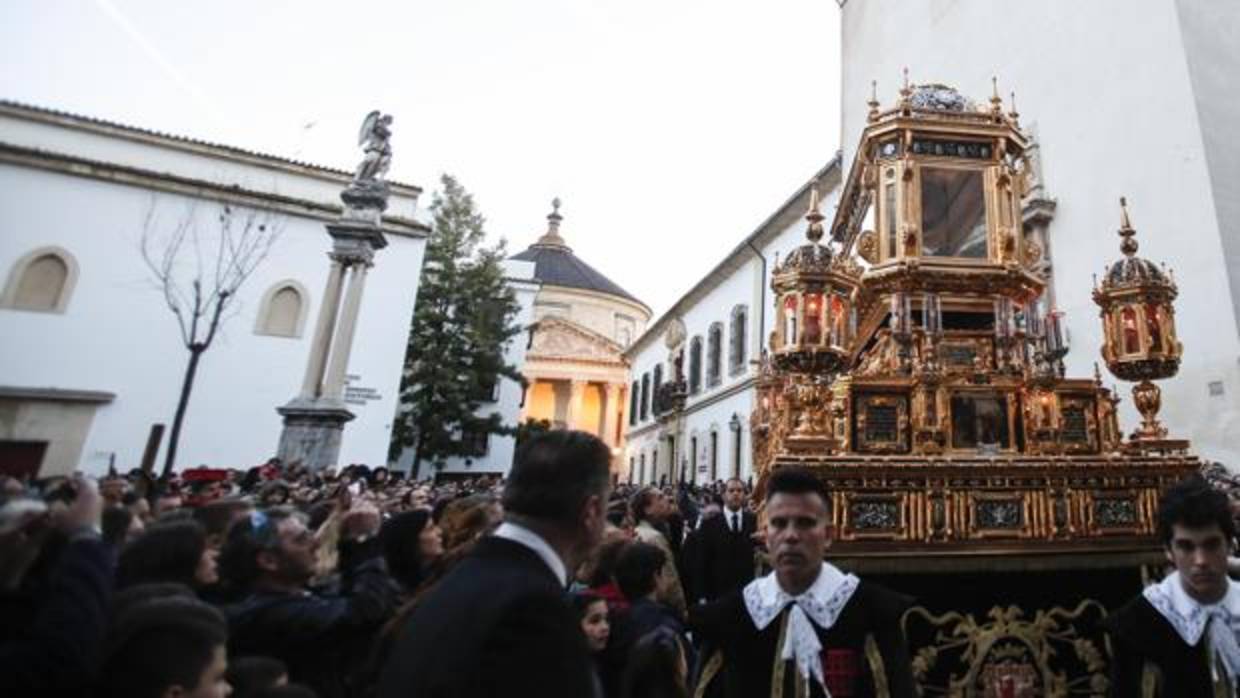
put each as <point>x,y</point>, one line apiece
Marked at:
<point>1097,375</point>
<point>996,102</point>
<point>552,236</point>
<point>873,103</point>
<point>1126,231</point>
<point>1013,114</point>
<point>814,216</point>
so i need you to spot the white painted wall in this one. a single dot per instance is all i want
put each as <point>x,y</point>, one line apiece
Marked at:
<point>118,336</point>
<point>500,449</point>
<point>741,281</point>
<point>134,148</point>
<point>1108,85</point>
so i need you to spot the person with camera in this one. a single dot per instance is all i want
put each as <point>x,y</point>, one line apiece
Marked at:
<point>58,577</point>
<point>323,638</point>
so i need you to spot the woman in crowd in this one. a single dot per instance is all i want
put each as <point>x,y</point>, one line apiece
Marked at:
<point>412,543</point>
<point>592,614</point>
<point>467,519</point>
<point>174,551</point>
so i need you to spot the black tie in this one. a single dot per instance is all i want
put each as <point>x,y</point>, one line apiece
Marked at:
<point>736,522</point>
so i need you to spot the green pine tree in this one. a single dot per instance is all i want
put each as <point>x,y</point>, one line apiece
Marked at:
<point>462,321</point>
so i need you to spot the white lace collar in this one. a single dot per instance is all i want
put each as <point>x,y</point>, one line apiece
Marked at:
<point>822,602</point>
<point>1190,618</point>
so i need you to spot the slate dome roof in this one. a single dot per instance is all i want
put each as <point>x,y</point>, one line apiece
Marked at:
<point>556,265</point>
<point>1132,270</point>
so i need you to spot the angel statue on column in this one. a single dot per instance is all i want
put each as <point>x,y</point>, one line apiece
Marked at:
<point>374,141</point>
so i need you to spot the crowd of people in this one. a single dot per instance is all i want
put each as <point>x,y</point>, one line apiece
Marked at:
<point>278,581</point>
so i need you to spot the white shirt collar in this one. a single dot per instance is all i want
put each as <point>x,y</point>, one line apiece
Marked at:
<point>1190,618</point>
<point>823,602</point>
<point>533,541</point>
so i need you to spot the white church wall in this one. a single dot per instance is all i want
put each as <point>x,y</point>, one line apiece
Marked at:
<point>121,145</point>
<point>1209,33</point>
<point>1108,87</point>
<point>117,335</point>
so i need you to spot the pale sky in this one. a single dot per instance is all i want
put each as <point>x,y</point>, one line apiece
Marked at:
<point>670,128</point>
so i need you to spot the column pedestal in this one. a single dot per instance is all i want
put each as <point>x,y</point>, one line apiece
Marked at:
<point>312,434</point>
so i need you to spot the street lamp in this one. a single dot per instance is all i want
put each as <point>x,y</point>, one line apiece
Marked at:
<point>735,423</point>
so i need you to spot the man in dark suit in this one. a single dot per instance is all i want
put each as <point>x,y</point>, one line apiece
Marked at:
<point>725,547</point>
<point>499,623</point>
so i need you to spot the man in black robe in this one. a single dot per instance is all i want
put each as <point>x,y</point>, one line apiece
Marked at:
<point>807,628</point>
<point>1179,637</point>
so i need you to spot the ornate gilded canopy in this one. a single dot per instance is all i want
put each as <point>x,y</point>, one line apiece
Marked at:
<point>917,364</point>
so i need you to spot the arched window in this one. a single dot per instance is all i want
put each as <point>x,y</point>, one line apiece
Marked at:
<point>41,281</point>
<point>645,406</point>
<point>633,397</point>
<point>283,310</point>
<point>695,365</point>
<point>714,342</point>
<point>736,340</point>
<point>655,407</point>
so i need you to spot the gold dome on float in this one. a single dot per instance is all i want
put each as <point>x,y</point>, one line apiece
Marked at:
<point>815,320</point>
<point>1136,298</point>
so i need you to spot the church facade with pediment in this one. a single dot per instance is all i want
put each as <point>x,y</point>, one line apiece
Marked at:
<point>575,365</point>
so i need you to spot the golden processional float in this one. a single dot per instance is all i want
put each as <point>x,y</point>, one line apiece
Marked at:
<point>916,366</point>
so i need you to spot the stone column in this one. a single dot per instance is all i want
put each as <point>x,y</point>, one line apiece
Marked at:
<point>316,367</point>
<point>576,396</point>
<point>342,345</point>
<point>611,407</point>
<point>314,420</point>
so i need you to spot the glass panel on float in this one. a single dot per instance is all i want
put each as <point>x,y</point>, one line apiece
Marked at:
<point>980,422</point>
<point>813,319</point>
<point>953,213</point>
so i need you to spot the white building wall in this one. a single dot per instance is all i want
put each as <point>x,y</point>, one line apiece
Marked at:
<point>118,336</point>
<point>721,408</point>
<point>125,146</point>
<point>1107,84</point>
<point>510,394</point>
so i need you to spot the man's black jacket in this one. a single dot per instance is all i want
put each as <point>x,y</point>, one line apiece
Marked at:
<point>324,639</point>
<point>724,559</point>
<point>1140,636</point>
<point>498,624</point>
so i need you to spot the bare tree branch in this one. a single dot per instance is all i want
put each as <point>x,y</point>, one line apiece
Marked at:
<point>200,300</point>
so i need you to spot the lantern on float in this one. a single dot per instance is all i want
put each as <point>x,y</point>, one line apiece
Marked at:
<point>815,315</point>
<point>1138,327</point>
